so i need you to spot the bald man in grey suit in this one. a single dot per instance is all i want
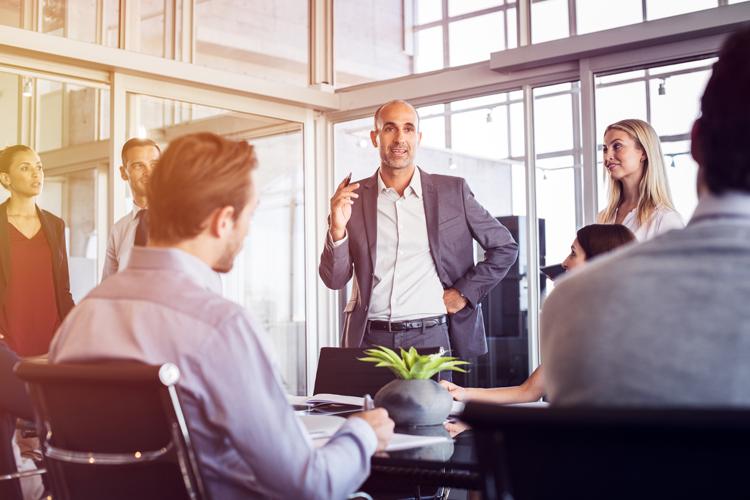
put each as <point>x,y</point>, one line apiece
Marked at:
<point>407,237</point>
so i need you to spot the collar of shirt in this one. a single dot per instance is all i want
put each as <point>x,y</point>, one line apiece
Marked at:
<point>731,205</point>
<point>174,259</point>
<point>135,211</point>
<point>415,185</point>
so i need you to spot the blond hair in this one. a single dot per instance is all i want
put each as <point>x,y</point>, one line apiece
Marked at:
<point>653,188</point>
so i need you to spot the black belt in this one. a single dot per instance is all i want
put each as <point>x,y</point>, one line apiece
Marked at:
<point>410,324</point>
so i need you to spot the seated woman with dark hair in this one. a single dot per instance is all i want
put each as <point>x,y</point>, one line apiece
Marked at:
<point>591,241</point>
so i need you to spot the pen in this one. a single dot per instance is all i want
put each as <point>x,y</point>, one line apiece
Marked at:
<point>368,403</point>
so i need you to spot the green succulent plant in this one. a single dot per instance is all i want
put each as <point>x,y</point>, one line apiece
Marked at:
<point>412,365</point>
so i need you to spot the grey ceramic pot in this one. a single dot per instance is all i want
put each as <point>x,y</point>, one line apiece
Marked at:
<point>415,402</point>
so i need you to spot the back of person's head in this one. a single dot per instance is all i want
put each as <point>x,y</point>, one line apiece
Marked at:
<point>197,174</point>
<point>723,131</point>
<point>596,239</point>
<point>136,142</point>
<point>654,187</point>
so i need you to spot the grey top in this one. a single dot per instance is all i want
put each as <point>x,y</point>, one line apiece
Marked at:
<point>660,323</point>
<point>164,307</point>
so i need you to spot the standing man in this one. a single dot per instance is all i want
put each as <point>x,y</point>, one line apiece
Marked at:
<point>407,236</point>
<point>139,156</point>
<point>666,322</point>
<point>164,307</point>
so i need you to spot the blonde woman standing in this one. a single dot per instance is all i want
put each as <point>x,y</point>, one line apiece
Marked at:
<point>639,196</point>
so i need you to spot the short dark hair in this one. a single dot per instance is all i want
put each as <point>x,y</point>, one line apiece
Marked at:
<point>723,132</point>
<point>596,239</point>
<point>197,174</point>
<point>136,142</point>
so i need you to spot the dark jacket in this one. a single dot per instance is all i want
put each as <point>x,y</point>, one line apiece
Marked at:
<point>454,221</point>
<point>54,231</point>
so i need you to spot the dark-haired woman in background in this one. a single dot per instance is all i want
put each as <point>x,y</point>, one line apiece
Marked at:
<point>591,241</point>
<point>34,281</point>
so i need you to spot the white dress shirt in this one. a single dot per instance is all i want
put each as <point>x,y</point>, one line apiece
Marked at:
<point>663,219</point>
<point>406,284</point>
<point>165,307</point>
<point>120,243</point>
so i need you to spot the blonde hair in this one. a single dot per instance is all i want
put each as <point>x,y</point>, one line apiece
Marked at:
<point>653,188</point>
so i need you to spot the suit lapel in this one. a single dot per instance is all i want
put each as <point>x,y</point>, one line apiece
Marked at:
<point>369,198</point>
<point>431,213</point>
<point>4,242</point>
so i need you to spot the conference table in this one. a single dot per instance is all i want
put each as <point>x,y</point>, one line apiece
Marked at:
<point>420,471</point>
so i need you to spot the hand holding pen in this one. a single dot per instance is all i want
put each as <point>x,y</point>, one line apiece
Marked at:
<point>378,419</point>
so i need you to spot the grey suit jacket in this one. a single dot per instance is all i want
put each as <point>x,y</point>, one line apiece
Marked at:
<point>454,218</point>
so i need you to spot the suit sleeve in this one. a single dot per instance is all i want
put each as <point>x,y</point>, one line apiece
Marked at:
<point>335,263</point>
<point>500,250</point>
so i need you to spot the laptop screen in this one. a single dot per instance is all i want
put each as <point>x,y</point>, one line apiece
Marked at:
<point>340,372</point>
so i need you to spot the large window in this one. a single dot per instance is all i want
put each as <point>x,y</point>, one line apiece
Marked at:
<point>553,19</point>
<point>263,38</point>
<point>381,39</point>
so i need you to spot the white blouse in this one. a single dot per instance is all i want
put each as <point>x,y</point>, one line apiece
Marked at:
<point>662,220</point>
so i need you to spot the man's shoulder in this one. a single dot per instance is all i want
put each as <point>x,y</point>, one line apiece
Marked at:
<point>443,179</point>
<point>123,221</point>
<point>168,291</point>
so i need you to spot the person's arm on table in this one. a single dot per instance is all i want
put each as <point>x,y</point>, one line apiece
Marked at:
<point>532,389</point>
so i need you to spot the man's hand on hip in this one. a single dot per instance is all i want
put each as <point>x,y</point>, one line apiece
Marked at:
<point>341,208</point>
<point>454,301</point>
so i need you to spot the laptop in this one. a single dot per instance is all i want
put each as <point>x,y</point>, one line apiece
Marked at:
<point>340,372</point>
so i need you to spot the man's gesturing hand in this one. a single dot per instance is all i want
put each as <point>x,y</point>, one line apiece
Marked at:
<point>341,208</point>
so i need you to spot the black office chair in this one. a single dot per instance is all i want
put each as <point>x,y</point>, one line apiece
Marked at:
<point>534,453</point>
<point>340,372</point>
<point>113,430</point>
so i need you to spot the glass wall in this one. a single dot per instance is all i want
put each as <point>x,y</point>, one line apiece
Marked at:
<point>268,277</point>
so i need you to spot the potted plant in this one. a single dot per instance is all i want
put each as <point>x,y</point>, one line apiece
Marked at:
<point>414,398</point>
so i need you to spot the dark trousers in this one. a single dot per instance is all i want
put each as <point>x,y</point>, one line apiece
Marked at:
<point>434,336</point>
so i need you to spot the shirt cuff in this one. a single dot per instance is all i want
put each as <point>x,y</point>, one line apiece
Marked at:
<point>337,244</point>
<point>361,429</point>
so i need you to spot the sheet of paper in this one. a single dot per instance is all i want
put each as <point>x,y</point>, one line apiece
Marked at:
<point>321,426</point>
<point>398,442</point>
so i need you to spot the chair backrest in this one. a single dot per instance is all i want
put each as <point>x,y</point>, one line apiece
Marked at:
<point>533,453</point>
<point>340,372</point>
<point>112,430</point>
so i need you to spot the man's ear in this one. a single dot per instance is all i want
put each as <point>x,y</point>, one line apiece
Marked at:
<point>123,173</point>
<point>221,221</point>
<point>419,138</point>
<point>374,138</point>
